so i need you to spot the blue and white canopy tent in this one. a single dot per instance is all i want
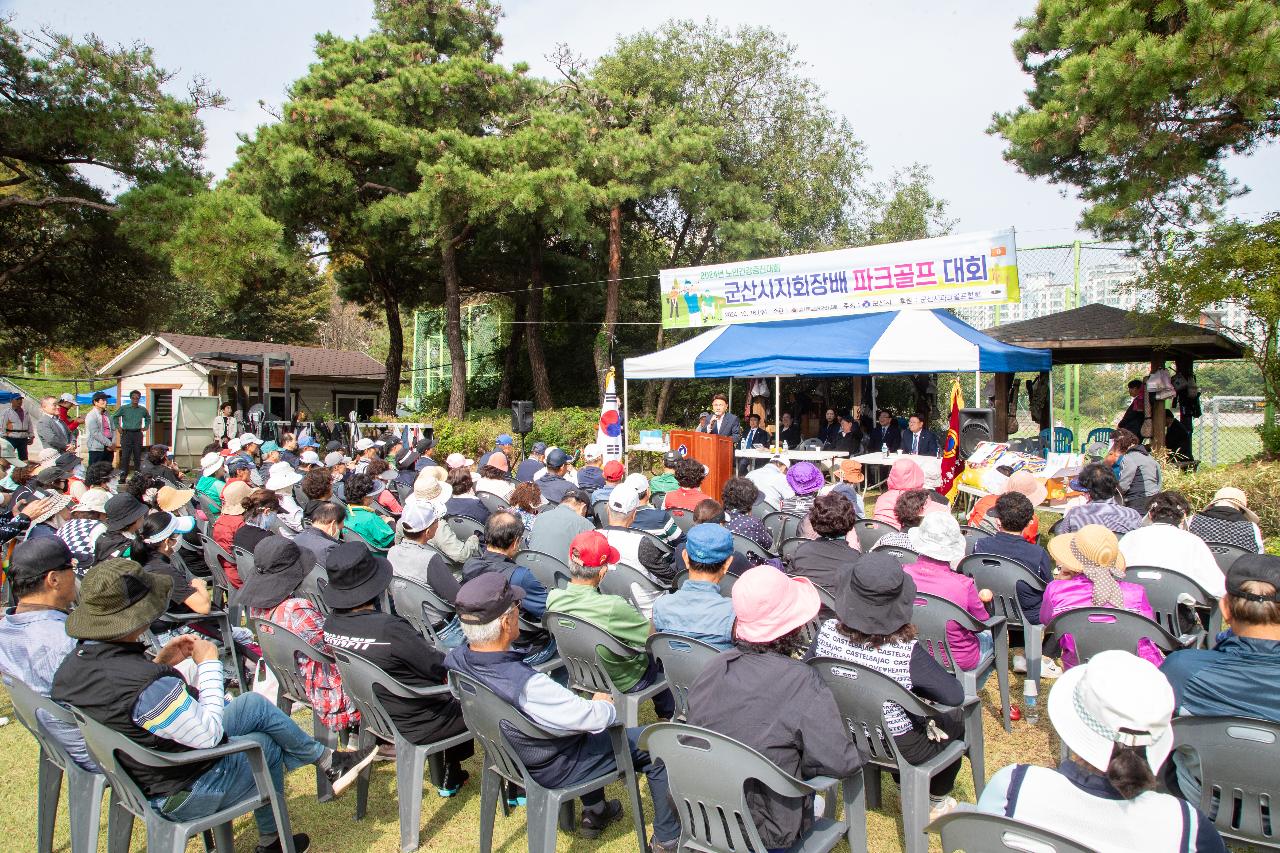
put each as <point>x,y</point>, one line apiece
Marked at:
<point>886,342</point>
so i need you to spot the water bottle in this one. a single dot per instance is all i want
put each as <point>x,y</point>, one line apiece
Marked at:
<point>784,445</point>
<point>884,449</point>
<point>1029,711</point>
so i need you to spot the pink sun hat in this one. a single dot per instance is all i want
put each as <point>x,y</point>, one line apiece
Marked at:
<point>769,604</point>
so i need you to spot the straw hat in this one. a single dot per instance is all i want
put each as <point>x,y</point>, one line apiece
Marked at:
<point>233,497</point>
<point>1231,496</point>
<point>169,499</point>
<point>1092,543</point>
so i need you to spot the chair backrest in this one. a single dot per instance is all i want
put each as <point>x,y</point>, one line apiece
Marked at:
<point>244,561</point>
<point>782,525</point>
<point>403,491</point>
<point>688,753</point>
<point>683,518</point>
<point>322,583</point>
<point>904,556</point>
<point>972,536</point>
<point>600,509</point>
<point>1096,629</point>
<point>656,499</point>
<point>749,548</point>
<point>622,580</point>
<point>860,694</point>
<point>810,444</point>
<point>726,582</point>
<point>869,531</point>
<point>490,717</point>
<point>762,508</point>
<point>1164,589</point>
<point>930,616</point>
<point>299,496</point>
<point>579,643</point>
<point>359,677</point>
<point>417,603</point>
<point>464,527</point>
<point>974,831</point>
<point>26,702</point>
<point>281,647</point>
<point>683,659</point>
<point>492,502</point>
<point>789,547</point>
<point>1238,759</point>
<point>551,572</point>
<point>1226,554</point>
<point>212,551</point>
<point>1063,439</point>
<point>107,746</point>
<point>1001,575</point>
<point>1101,435</point>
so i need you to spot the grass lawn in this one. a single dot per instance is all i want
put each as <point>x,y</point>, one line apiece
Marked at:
<point>454,824</point>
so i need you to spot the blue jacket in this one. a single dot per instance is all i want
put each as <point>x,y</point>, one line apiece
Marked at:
<point>1238,677</point>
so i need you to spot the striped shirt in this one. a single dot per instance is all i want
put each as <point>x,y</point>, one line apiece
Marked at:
<point>166,709</point>
<point>894,660</point>
<point>1114,516</point>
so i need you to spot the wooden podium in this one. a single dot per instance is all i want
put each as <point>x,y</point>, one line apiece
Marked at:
<point>714,451</point>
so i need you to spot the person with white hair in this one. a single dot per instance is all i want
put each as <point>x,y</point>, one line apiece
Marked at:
<point>591,474</point>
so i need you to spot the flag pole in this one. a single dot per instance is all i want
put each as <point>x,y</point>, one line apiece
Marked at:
<point>626,425</point>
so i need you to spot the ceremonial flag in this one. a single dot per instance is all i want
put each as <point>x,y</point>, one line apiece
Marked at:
<point>609,430</point>
<point>952,464</point>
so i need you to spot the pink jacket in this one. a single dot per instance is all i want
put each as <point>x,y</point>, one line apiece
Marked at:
<point>1076,592</point>
<point>904,476</point>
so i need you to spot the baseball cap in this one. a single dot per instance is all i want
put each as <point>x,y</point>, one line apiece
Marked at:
<point>1263,568</point>
<point>613,471</point>
<point>308,441</point>
<point>592,451</point>
<point>485,597</point>
<point>671,457</point>
<point>581,496</point>
<point>332,445</point>
<point>66,398</point>
<point>309,457</point>
<point>35,558</point>
<point>638,482</point>
<point>458,460</point>
<point>334,457</point>
<point>270,447</point>
<point>249,438</point>
<point>593,550</point>
<point>424,444</point>
<point>623,500</point>
<point>556,458</point>
<point>364,444</point>
<point>538,447</point>
<point>708,543</point>
<point>418,516</point>
<point>504,439</point>
<point>239,463</point>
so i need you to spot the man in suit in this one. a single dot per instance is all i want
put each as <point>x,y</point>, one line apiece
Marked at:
<point>790,432</point>
<point>722,421</point>
<point>52,431</point>
<point>885,433</point>
<point>848,439</point>
<point>830,427</point>
<point>919,440</point>
<point>755,434</point>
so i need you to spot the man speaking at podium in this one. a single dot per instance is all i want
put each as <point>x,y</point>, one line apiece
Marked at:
<point>722,421</point>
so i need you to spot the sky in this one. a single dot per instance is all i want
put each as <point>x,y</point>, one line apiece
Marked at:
<point>918,79</point>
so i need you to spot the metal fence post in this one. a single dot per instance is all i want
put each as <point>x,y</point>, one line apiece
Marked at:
<point>1216,430</point>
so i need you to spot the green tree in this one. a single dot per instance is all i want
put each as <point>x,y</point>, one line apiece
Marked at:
<point>905,208</point>
<point>67,106</point>
<point>1233,263</point>
<point>1136,103</point>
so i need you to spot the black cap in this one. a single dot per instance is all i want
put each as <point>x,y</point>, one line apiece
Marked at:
<point>356,575</point>
<point>486,597</point>
<point>99,395</point>
<point>51,475</point>
<point>332,446</point>
<point>124,509</point>
<point>538,447</point>
<point>556,458</point>
<point>422,445</point>
<point>671,457</point>
<point>35,558</point>
<point>1263,568</point>
<point>579,495</point>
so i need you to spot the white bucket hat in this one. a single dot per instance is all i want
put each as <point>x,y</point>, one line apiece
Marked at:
<point>281,476</point>
<point>939,537</point>
<point>93,500</point>
<point>363,444</point>
<point>1115,698</point>
<point>210,464</point>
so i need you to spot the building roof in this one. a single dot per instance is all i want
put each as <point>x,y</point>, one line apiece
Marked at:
<point>1101,334</point>
<point>307,361</point>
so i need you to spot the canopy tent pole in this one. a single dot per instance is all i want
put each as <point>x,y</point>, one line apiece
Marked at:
<point>1051,422</point>
<point>875,411</point>
<point>777,410</point>
<point>626,421</point>
<point>730,406</point>
<point>976,379</point>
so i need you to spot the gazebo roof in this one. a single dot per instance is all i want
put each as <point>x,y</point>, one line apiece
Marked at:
<point>1100,334</point>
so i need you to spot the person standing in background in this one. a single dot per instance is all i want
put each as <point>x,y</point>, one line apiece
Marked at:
<point>225,425</point>
<point>16,424</point>
<point>65,402</point>
<point>52,431</point>
<point>723,422</point>
<point>131,419</point>
<point>99,436</point>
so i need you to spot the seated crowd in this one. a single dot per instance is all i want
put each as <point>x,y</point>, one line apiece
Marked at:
<point>115,596</point>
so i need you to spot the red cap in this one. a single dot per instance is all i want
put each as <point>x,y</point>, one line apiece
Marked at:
<point>593,550</point>
<point>613,471</point>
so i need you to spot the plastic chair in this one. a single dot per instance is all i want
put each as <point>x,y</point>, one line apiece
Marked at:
<point>579,643</point>
<point>600,511</point>
<point>222,619</point>
<point>492,502</point>
<point>622,580</point>
<point>243,560</point>
<point>221,591</point>
<point>869,532</point>
<point>969,830</point>
<point>1001,575</point>
<point>84,788</point>
<point>1096,629</point>
<point>1100,435</point>
<point>359,680</point>
<point>860,694</point>
<point>972,536</point>
<point>1164,589</point>
<point>683,518</point>
<point>904,556</point>
<point>312,587</point>
<point>280,649</point>
<point>417,604</point>
<point>490,719</point>
<point>782,525</point>
<point>128,802</point>
<point>726,582</point>
<point>762,508</point>
<point>1226,554</point>
<point>551,572</point>
<point>789,548</point>
<point>464,527</point>
<point>931,615</point>
<point>688,752</point>
<point>1239,787</point>
<point>683,659</point>
<point>751,549</point>
<point>1063,439</point>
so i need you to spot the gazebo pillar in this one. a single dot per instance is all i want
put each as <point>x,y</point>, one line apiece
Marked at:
<point>1001,423</point>
<point>857,396</point>
<point>1158,424</point>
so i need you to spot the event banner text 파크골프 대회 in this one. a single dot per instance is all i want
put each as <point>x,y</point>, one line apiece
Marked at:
<point>943,272</point>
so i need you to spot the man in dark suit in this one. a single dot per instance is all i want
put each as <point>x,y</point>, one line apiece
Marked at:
<point>848,439</point>
<point>919,440</point>
<point>885,433</point>
<point>755,434</point>
<point>723,422</point>
<point>790,432</point>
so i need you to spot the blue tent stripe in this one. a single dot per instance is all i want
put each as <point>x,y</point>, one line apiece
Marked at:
<point>997,356</point>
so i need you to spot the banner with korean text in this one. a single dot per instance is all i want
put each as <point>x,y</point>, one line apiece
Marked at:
<point>943,272</point>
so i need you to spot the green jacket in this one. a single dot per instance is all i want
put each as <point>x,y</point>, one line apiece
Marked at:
<point>372,528</point>
<point>211,488</point>
<point>611,613</point>
<point>662,484</point>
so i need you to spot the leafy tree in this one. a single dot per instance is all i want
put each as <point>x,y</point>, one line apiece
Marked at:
<point>905,208</point>
<point>66,105</point>
<point>1136,102</point>
<point>1234,262</point>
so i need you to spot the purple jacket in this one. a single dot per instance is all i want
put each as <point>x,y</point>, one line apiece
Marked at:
<point>1076,592</point>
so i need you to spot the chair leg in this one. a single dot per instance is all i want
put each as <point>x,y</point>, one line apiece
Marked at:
<point>491,785</point>
<point>119,827</point>
<point>228,639</point>
<point>48,791</point>
<point>855,808</point>
<point>1002,676</point>
<point>1033,639</point>
<point>544,816</point>
<point>871,782</point>
<point>632,781</point>
<point>975,748</point>
<point>410,764</point>
<point>224,838</point>
<point>362,781</point>
<point>913,789</point>
<point>328,737</point>
<point>84,808</point>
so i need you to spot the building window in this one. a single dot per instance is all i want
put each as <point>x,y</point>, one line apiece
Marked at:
<point>362,404</point>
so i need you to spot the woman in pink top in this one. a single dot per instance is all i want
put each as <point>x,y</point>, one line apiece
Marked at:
<point>1092,565</point>
<point>386,497</point>
<point>940,545</point>
<point>904,476</point>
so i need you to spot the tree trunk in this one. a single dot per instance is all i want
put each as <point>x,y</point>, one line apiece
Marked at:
<point>512,361</point>
<point>453,324</point>
<point>652,389</point>
<point>604,340</point>
<point>664,399</point>
<point>533,333</point>
<point>395,352</point>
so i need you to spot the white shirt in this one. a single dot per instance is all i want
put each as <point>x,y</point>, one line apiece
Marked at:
<point>1167,547</point>
<point>772,484</point>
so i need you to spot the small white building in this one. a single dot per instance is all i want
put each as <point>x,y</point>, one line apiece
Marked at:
<point>324,383</point>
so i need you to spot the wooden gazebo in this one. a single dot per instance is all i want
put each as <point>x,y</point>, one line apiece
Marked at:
<point>1101,334</point>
